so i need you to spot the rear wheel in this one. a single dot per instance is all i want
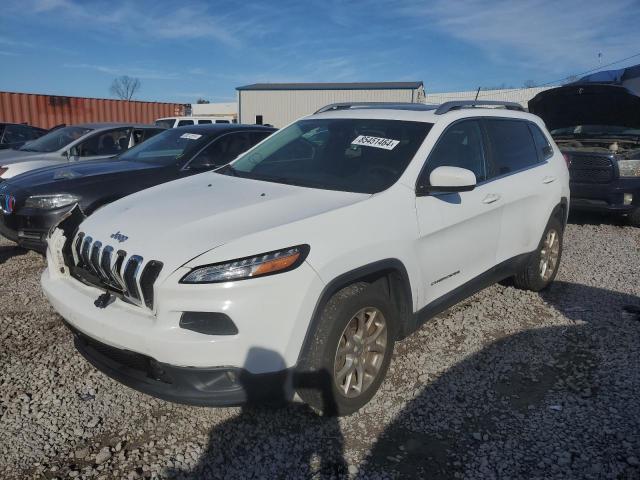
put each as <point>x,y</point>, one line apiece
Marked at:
<point>350,352</point>
<point>542,267</point>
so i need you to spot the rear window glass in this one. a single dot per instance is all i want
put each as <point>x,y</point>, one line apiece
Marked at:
<point>512,146</point>
<point>165,123</point>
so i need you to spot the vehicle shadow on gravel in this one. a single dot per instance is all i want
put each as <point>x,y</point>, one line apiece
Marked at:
<point>9,251</point>
<point>553,402</point>
<point>274,438</point>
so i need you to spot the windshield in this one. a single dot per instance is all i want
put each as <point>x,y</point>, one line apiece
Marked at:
<point>354,155</point>
<point>165,122</point>
<point>55,140</point>
<point>167,148</point>
<point>595,131</point>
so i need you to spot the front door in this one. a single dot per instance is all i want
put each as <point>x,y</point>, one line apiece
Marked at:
<point>459,232</point>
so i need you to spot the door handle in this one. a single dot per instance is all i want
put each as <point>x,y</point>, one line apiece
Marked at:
<point>490,198</point>
<point>548,179</point>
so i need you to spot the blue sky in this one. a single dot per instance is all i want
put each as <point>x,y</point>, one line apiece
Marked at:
<point>182,50</point>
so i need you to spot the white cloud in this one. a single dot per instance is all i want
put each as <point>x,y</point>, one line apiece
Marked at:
<point>142,73</point>
<point>143,20</point>
<point>551,35</point>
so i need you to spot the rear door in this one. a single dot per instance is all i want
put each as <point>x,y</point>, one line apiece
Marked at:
<point>519,170</point>
<point>459,232</point>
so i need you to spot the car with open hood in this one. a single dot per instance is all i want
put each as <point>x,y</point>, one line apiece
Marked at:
<point>35,201</point>
<point>74,143</point>
<point>293,269</point>
<point>596,123</point>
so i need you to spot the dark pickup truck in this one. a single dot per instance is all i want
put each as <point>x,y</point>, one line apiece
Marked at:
<point>596,124</point>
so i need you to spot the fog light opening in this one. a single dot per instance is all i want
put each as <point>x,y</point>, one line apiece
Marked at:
<point>628,198</point>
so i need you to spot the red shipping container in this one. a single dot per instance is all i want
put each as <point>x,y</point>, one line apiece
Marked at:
<point>46,111</point>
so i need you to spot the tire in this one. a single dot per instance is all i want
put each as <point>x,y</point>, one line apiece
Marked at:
<point>316,377</point>
<point>634,218</point>
<point>532,276</point>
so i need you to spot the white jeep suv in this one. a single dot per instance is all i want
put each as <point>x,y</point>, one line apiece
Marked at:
<point>295,268</point>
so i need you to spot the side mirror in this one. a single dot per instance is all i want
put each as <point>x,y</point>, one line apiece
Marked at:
<point>448,180</point>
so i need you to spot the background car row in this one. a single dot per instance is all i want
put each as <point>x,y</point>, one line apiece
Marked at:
<point>35,201</point>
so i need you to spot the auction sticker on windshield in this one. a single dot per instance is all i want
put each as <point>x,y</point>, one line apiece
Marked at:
<point>377,142</point>
<point>190,136</point>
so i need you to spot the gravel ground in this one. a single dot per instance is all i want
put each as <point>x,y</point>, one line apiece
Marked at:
<point>509,384</point>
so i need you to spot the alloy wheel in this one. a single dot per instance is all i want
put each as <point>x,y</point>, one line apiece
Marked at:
<point>360,353</point>
<point>549,255</point>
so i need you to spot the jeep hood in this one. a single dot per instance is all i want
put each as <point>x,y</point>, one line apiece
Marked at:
<point>180,220</point>
<point>587,104</point>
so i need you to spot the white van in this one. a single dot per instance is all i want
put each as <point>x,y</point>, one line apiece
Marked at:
<point>172,122</point>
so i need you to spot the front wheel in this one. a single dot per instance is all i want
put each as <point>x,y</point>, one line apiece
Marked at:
<point>350,352</point>
<point>542,267</point>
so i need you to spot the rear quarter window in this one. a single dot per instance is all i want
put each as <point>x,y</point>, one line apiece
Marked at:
<point>512,146</point>
<point>542,144</point>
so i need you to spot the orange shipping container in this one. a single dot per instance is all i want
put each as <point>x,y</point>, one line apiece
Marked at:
<point>46,111</point>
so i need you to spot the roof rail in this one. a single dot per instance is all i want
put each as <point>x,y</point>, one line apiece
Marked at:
<point>389,105</point>
<point>458,104</point>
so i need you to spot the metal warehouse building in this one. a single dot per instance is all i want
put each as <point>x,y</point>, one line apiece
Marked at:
<point>281,103</point>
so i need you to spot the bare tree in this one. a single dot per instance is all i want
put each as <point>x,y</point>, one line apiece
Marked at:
<point>529,84</point>
<point>125,87</point>
<point>202,101</point>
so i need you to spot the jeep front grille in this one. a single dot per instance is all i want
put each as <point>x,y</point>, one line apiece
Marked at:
<point>116,271</point>
<point>589,168</point>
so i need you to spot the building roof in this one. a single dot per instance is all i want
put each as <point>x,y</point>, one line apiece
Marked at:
<point>334,86</point>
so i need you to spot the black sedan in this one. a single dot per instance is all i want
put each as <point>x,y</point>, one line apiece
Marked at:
<point>32,203</point>
<point>14,135</point>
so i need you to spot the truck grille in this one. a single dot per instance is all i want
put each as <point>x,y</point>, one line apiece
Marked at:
<point>104,267</point>
<point>589,168</point>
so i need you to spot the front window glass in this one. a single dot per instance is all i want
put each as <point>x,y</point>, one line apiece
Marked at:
<point>166,148</point>
<point>56,139</point>
<point>354,155</point>
<point>112,142</point>
<point>460,146</point>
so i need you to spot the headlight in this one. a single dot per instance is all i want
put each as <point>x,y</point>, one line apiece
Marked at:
<point>265,264</point>
<point>49,202</point>
<point>629,168</point>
